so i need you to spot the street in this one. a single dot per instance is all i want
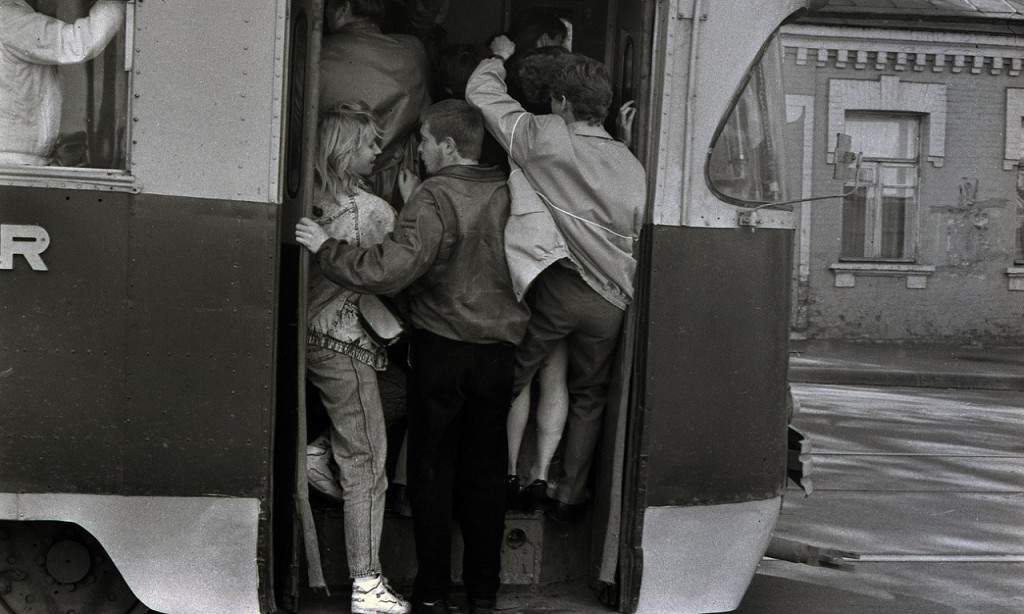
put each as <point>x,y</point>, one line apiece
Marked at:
<point>927,485</point>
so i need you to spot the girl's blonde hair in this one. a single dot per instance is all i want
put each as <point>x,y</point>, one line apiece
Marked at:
<point>341,129</point>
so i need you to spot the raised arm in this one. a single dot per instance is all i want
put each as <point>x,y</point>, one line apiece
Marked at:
<point>518,130</point>
<point>41,39</point>
<point>402,258</point>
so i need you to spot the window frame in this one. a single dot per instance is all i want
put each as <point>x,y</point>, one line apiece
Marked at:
<point>1018,229</point>
<point>89,178</point>
<point>873,215</point>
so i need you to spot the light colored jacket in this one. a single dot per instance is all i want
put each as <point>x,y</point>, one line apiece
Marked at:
<point>333,313</point>
<point>589,191</point>
<point>32,45</point>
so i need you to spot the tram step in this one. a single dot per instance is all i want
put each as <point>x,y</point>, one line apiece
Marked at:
<point>536,550</point>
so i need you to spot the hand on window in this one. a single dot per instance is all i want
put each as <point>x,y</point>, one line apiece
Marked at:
<point>624,123</point>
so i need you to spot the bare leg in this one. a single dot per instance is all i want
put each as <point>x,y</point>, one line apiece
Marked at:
<point>552,409</point>
<point>517,418</point>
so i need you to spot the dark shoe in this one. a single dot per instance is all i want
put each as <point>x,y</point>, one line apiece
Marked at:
<point>480,606</point>
<point>512,489</point>
<point>566,512</point>
<point>438,607</point>
<point>534,497</point>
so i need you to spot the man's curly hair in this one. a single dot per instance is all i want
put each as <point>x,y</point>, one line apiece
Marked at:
<point>586,84</point>
<point>531,76</point>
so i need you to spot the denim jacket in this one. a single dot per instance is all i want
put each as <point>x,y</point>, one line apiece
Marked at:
<point>333,311</point>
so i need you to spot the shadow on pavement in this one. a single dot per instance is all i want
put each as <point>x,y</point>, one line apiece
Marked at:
<point>771,595</point>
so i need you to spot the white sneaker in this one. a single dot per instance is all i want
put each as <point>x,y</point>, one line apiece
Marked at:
<point>318,469</point>
<point>378,598</point>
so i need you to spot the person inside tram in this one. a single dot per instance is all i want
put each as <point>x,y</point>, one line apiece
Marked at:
<point>447,249</point>
<point>32,46</point>
<point>537,28</point>
<point>534,29</point>
<point>390,72</point>
<point>529,83</point>
<point>457,63</point>
<point>343,358</point>
<point>573,246</point>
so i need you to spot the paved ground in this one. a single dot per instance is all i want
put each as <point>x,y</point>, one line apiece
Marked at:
<point>892,364</point>
<point>926,484</point>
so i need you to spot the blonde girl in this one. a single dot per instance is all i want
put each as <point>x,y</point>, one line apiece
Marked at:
<point>342,358</point>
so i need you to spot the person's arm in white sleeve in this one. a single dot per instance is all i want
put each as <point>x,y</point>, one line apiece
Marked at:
<point>512,125</point>
<point>38,38</point>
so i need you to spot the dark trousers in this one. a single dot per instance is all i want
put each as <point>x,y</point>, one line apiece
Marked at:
<point>458,450</point>
<point>563,306</point>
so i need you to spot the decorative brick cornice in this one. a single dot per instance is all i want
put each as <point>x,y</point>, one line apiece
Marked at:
<point>908,50</point>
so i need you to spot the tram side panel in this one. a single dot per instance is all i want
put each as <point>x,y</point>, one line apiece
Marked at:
<point>137,377</point>
<point>140,361</point>
<point>714,450</point>
<point>200,358</point>
<point>717,365</point>
<point>63,343</point>
<point>136,380</point>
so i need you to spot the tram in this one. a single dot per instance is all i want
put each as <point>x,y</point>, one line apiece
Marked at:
<point>151,416</point>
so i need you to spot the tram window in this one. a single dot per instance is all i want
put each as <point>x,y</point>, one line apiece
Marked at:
<point>745,164</point>
<point>80,117</point>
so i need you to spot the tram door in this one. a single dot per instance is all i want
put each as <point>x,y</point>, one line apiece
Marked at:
<point>293,526</point>
<point>629,55</point>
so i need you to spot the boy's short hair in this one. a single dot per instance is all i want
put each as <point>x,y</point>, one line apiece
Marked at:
<point>458,120</point>
<point>586,84</point>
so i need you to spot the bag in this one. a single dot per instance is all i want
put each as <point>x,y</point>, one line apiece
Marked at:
<point>380,319</point>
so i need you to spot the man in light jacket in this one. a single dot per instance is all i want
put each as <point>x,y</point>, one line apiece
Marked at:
<point>578,197</point>
<point>32,45</point>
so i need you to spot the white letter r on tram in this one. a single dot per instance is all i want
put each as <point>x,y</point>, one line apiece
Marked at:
<point>29,241</point>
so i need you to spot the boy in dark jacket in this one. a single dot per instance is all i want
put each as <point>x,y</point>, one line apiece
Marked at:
<point>448,252</point>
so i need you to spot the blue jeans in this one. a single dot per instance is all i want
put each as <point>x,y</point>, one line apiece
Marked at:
<point>350,395</point>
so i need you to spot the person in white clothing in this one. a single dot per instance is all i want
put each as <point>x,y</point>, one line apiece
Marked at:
<point>32,45</point>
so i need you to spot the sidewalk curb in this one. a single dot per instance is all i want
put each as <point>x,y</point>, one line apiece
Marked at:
<point>868,377</point>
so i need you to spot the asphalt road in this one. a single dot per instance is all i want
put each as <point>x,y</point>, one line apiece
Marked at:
<point>927,485</point>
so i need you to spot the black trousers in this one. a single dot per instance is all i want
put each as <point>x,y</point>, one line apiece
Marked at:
<point>458,451</point>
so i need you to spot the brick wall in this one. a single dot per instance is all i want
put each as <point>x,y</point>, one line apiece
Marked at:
<point>967,200</point>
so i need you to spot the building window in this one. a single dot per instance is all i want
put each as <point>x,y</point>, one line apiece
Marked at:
<point>1018,254</point>
<point>878,216</point>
